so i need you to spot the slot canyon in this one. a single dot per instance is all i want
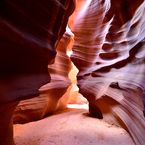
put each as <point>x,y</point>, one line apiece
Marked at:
<point>72,72</point>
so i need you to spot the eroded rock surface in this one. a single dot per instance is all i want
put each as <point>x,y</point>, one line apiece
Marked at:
<point>54,95</point>
<point>109,51</point>
<point>29,33</point>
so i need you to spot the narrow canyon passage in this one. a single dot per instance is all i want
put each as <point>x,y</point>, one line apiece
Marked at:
<point>70,123</point>
<point>72,72</point>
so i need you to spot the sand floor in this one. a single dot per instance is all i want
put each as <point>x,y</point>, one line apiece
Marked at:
<point>70,127</point>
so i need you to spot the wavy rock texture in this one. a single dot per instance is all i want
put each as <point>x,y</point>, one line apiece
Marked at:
<point>109,51</point>
<point>144,101</point>
<point>74,96</point>
<point>53,96</point>
<point>58,93</point>
<point>29,32</point>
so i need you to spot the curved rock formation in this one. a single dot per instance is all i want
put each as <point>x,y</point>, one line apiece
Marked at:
<point>74,96</point>
<point>109,51</point>
<point>59,92</point>
<point>144,101</point>
<point>52,95</point>
<point>29,33</point>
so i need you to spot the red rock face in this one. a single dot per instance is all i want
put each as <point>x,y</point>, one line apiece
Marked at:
<point>109,51</point>
<point>29,33</point>
<point>52,95</point>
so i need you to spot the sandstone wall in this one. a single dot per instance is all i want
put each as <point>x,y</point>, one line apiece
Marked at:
<point>109,51</point>
<point>29,34</point>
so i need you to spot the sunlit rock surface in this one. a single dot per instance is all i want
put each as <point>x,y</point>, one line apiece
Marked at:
<point>59,92</point>
<point>53,96</point>
<point>109,51</point>
<point>74,96</point>
<point>73,92</point>
<point>29,33</point>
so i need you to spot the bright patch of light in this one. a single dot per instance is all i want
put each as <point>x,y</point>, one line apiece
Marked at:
<point>77,106</point>
<point>69,53</point>
<point>69,31</point>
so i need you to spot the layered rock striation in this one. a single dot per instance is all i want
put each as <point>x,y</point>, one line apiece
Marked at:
<point>109,51</point>
<point>53,95</point>
<point>29,34</point>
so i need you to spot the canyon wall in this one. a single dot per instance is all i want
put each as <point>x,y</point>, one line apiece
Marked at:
<point>54,95</point>
<point>109,51</point>
<point>29,34</point>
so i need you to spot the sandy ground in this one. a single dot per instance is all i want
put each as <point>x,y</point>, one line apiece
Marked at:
<point>70,127</point>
